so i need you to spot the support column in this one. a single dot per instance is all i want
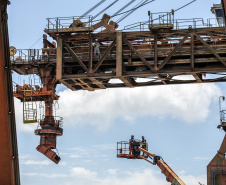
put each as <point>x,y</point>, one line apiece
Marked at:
<point>118,54</point>
<point>155,52</point>
<point>9,165</point>
<point>59,65</point>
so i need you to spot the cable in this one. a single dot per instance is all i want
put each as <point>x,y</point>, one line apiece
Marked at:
<point>123,8</point>
<point>174,10</point>
<point>36,42</point>
<point>91,9</point>
<point>105,9</point>
<point>184,5</point>
<point>137,5</point>
<point>135,8</point>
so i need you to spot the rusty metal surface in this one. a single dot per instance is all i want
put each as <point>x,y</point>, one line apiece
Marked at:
<point>9,165</point>
<point>161,58</point>
<point>216,169</point>
<point>49,127</point>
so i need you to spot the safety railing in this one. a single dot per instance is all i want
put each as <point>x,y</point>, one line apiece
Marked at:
<point>62,23</point>
<point>177,24</point>
<point>223,117</point>
<point>33,55</point>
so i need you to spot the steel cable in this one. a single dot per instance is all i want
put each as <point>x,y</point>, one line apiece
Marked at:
<point>105,9</point>
<point>91,9</point>
<point>185,5</point>
<point>135,8</point>
<point>174,10</point>
<point>123,8</point>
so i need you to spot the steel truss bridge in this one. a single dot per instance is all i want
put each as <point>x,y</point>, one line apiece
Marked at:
<point>137,58</point>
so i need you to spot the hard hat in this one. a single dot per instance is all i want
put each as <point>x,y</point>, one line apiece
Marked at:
<point>96,39</point>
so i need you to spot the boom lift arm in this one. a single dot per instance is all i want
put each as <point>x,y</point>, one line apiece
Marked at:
<point>133,150</point>
<point>171,176</point>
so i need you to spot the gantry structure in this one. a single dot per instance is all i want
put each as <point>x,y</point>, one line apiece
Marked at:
<point>166,53</point>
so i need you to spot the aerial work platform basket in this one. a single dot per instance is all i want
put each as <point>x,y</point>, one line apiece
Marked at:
<point>29,107</point>
<point>130,150</point>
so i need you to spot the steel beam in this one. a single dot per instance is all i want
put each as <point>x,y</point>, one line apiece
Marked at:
<point>59,62</point>
<point>211,49</point>
<point>138,54</point>
<point>155,52</point>
<point>172,52</point>
<point>75,56</point>
<point>104,56</point>
<point>192,52</point>
<point>119,54</point>
<point>9,164</point>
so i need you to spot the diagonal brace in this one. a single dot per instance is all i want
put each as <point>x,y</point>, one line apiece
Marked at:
<point>104,56</point>
<point>138,54</point>
<point>173,52</point>
<point>75,56</point>
<point>211,49</point>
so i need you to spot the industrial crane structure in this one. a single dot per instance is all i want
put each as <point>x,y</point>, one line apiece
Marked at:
<point>161,51</point>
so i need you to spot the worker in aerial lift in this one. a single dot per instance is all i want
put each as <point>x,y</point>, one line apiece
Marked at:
<point>131,141</point>
<point>143,143</point>
<point>96,45</point>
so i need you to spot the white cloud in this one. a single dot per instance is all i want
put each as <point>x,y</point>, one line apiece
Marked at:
<point>146,176</point>
<point>51,175</point>
<point>189,103</point>
<point>33,162</point>
<point>75,156</point>
<point>112,171</point>
<point>83,173</point>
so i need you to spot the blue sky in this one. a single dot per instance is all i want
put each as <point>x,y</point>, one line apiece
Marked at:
<point>179,122</point>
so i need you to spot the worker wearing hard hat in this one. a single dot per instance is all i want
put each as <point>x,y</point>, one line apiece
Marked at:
<point>96,45</point>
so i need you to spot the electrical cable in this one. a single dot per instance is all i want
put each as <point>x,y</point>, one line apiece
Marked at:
<point>91,9</point>
<point>105,9</point>
<point>123,8</point>
<point>133,10</point>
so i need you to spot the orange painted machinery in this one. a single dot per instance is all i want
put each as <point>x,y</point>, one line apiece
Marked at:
<point>138,149</point>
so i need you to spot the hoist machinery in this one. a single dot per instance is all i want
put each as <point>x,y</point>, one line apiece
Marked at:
<point>50,126</point>
<point>138,149</point>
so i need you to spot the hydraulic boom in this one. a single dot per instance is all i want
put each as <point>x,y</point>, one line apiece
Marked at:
<point>133,150</point>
